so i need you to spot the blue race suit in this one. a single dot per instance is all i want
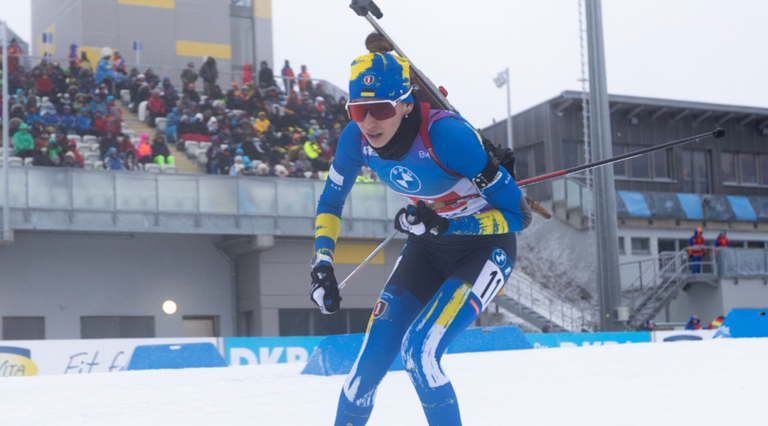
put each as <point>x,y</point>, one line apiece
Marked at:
<point>438,287</point>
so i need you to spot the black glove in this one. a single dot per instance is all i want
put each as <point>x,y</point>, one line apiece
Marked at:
<point>325,289</point>
<point>419,220</point>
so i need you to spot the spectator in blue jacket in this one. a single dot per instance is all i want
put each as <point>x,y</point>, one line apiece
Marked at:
<point>170,124</point>
<point>104,67</point>
<point>68,121</point>
<point>693,323</point>
<point>98,105</point>
<point>84,123</point>
<point>51,117</point>
<point>33,115</point>
<point>112,161</point>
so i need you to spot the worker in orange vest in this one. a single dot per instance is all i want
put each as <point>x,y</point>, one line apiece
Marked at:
<point>722,241</point>
<point>696,250</point>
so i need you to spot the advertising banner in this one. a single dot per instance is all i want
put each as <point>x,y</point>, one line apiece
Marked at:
<point>46,357</point>
<point>269,350</point>
<point>570,340</point>
<point>682,335</point>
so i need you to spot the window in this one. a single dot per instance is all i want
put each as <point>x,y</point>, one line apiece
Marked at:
<point>728,165</point>
<point>245,3</point>
<point>311,322</point>
<point>640,166</point>
<point>242,41</point>
<point>539,159</point>
<point>755,244</point>
<point>744,168</point>
<point>116,327</point>
<point>620,168</point>
<point>661,164</point>
<point>621,246</point>
<point>573,153</point>
<point>522,168</point>
<point>748,168</point>
<point>696,171</point>
<point>23,328</point>
<point>200,326</point>
<point>641,245</point>
<point>654,166</point>
<point>666,245</point>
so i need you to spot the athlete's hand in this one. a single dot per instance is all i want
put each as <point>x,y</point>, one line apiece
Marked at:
<point>325,289</point>
<point>420,220</point>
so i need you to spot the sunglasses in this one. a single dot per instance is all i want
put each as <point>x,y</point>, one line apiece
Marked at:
<point>379,110</point>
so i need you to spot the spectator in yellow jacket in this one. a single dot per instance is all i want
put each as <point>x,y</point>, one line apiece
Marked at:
<point>262,123</point>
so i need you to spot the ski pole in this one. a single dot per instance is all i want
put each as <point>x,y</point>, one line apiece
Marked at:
<point>717,134</point>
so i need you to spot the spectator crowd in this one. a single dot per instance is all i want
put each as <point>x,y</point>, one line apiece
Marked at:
<point>254,128</point>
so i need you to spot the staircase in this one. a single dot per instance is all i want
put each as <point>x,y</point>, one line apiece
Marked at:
<point>131,122</point>
<point>539,306</point>
<point>645,298</point>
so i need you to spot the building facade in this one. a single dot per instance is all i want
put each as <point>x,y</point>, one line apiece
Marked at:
<point>172,32</point>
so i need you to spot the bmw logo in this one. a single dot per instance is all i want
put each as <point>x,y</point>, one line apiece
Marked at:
<point>405,179</point>
<point>499,257</point>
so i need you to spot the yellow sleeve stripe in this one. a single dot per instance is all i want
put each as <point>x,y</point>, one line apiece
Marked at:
<point>492,222</point>
<point>479,138</point>
<point>327,225</point>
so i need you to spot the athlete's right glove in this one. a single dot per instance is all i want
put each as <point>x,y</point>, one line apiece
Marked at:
<point>325,289</point>
<point>421,220</point>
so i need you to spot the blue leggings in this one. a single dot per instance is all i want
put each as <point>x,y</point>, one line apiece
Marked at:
<point>404,323</point>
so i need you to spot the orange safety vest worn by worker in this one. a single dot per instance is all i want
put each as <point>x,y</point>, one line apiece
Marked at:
<point>696,246</point>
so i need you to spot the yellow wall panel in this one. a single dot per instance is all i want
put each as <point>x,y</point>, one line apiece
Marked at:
<point>356,254</point>
<point>41,46</point>
<point>194,48</point>
<point>165,4</point>
<point>262,9</point>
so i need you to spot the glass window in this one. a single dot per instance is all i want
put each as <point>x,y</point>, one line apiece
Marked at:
<point>748,168</point>
<point>539,159</point>
<point>521,163</point>
<point>245,3</point>
<point>293,322</point>
<point>571,154</point>
<point>728,165</point>
<point>641,245</point>
<point>666,245</point>
<point>764,169</point>
<point>661,164</point>
<point>23,328</point>
<point>242,41</point>
<point>640,167</point>
<point>621,246</point>
<point>755,244</point>
<point>696,171</point>
<point>116,327</point>
<point>620,168</point>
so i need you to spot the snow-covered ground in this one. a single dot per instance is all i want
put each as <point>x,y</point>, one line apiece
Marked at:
<point>716,382</point>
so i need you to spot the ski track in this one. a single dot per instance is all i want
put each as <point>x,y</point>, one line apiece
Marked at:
<point>714,382</point>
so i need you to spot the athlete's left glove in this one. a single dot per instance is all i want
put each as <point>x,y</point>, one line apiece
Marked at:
<point>325,289</point>
<point>421,220</point>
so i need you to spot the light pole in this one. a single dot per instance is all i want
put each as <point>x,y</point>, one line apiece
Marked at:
<point>500,80</point>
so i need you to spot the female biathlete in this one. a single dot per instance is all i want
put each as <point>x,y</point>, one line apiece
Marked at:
<point>456,259</point>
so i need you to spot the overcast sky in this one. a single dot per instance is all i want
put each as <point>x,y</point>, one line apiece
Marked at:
<point>696,50</point>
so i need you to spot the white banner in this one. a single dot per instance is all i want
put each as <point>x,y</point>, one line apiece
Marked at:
<point>46,357</point>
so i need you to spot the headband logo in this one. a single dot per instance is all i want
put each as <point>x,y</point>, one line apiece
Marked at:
<point>368,80</point>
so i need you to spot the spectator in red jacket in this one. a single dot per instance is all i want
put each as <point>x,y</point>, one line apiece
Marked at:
<point>125,144</point>
<point>156,107</point>
<point>696,250</point>
<point>287,73</point>
<point>304,74</point>
<point>43,83</point>
<point>247,76</point>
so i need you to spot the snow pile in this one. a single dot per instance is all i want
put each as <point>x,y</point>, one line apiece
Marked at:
<point>715,382</point>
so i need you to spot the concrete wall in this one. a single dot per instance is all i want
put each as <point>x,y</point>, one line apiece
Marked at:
<point>708,302</point>
<point>278,278</point>
<point>63,18</point>
<point>63,276</point>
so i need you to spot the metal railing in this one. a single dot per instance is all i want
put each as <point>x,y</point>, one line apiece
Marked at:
<point>651,296</point>
<point>548,304</point>
<point>48,188</point>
